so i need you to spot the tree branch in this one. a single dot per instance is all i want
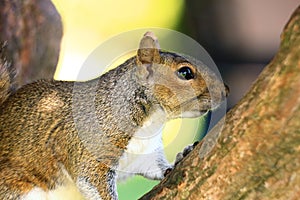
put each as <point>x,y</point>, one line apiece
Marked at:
<point>256,154</point>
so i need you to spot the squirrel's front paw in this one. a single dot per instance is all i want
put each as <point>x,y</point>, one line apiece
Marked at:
<point>185,152</point>
<point>180,156</point>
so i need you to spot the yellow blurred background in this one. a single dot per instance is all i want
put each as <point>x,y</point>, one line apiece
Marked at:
<point>86,24</point>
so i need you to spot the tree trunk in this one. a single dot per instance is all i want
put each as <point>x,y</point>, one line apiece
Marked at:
<point>32,31</point>
<point>256,154</point>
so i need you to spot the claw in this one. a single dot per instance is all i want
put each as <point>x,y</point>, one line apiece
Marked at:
<point>167,171</point>
<point>185,152</point>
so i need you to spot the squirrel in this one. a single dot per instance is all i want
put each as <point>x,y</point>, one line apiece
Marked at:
<point>92,133</point>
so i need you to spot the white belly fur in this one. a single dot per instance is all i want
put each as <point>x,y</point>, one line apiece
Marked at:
<point>143,149</point>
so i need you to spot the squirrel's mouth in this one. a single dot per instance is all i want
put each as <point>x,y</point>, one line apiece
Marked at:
<point>198,105</point>
<point>193,107</point>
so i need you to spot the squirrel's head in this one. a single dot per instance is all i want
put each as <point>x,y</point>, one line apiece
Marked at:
<point>182,86</point>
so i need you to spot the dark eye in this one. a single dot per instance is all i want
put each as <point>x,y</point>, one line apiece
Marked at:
<point>185,73</point>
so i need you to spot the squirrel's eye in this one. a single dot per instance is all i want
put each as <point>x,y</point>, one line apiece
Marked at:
<point>185,73</point>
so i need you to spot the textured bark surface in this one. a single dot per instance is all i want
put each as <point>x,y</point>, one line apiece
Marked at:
<point>257,153</point>
<point>32,31</point>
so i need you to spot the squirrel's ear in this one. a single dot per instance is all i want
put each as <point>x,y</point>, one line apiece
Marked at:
<point>148,51</point>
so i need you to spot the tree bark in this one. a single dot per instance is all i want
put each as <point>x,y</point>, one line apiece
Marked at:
<point>32,31</point>
<point>256,154</point>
